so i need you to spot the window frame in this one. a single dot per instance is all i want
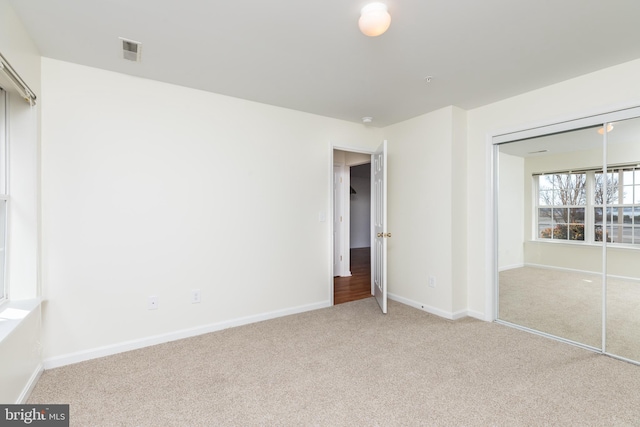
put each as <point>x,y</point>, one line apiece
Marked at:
<point>620,205</point>
<point>569,207</point>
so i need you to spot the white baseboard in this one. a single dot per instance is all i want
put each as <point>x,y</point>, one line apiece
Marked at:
<point>109,350</point>
<point>553,267</point>
<point>478,315</point>
<point>510,267</point>
<point>574,270</point>
<point>26,392</point>
<point>433,310</point>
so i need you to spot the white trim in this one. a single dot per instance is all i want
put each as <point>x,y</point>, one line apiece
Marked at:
<point>109,350</point>
<point>339,209</point>
<point>570,270</point>
<point>432,310</point>
<point>510,267</point>
<point>569,122</point>
<point>575,270</point>
<point>478,315</point>
<point>28,388</point>
<point>490,233</point>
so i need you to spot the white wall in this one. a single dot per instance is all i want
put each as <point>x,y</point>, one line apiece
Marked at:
<point>154,189</point>
<point>511,211</point>
<point>423,196</point>
<point>586,95</point>
<point>19,352</point>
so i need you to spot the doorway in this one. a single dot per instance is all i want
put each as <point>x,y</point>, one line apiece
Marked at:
<point>352,226</point>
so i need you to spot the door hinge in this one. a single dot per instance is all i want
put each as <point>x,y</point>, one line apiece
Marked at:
<point>340,257</point>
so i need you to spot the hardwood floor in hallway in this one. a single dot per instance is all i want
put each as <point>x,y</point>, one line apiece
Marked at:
<point>358,286</point>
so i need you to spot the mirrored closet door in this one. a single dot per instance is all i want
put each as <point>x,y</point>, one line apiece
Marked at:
<point>567,238</point>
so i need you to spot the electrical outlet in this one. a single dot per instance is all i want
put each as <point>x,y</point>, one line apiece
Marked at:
<point>195,296</point>
<point>432,282</point>
<point>153,302</point>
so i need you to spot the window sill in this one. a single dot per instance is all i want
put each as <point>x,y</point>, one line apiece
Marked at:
<point>583,244</point>
<point>12,313</point>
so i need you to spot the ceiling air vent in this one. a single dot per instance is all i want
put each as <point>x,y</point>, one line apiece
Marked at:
<point>131,50</point>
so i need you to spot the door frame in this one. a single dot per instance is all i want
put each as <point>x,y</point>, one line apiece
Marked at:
<point>344,269</point>
<point>334,146</point>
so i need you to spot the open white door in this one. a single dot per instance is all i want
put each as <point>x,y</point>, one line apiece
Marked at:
<point>380,234</point>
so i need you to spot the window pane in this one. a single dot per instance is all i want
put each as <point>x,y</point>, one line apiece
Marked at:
<point>580,185</point>
<point>598,215</point>
<point>616,234</point>
<point>546,198</point>
<point>627,194</point>
<point>559,198</point>
<point>627,215</point>
<point>627,177</point>
<point>544,223</point>
<point>545,182</point>
<point>561,231</point>
<point>560,215</point>
<point>576,215</point>
<point>576,232</point>
<point>636,194</point>
<point>627,234</point>
<point>612,195</point>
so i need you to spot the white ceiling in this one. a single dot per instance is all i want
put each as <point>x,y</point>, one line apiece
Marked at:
<point>310,55</point>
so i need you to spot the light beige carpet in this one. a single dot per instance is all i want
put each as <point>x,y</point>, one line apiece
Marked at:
<point>569,305</point>
<point>349,365</point>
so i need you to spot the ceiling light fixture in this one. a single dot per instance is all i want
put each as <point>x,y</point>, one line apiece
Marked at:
<point>374,19</point>
<point>609,128</point>
<point>367,120</point>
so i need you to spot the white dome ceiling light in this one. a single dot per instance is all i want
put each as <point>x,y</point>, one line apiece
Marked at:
<point>374,19</point>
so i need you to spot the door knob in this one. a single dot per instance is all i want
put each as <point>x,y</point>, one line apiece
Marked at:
<point>387,235</point>
<point>380,235</point>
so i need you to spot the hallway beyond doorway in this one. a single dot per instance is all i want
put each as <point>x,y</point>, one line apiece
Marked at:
<point>358,286</point>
